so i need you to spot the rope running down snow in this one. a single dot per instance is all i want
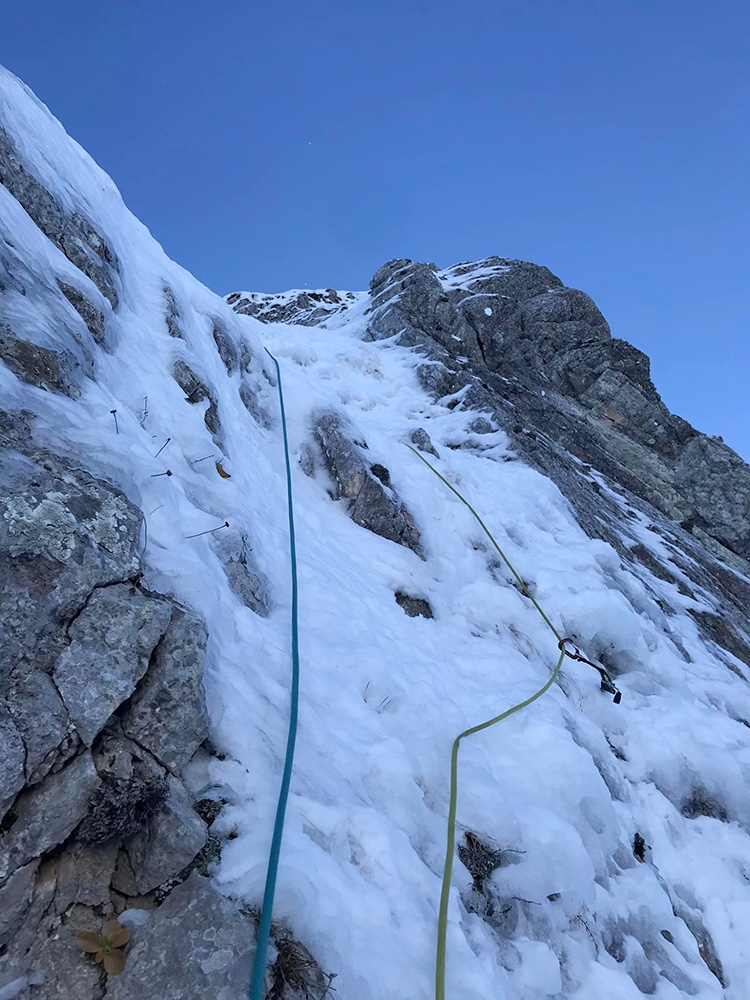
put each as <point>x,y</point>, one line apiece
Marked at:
<point>440,957</point>
<point>264,929</point>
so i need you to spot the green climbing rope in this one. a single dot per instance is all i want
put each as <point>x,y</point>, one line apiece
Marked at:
<point>440,957</point>
<point>264,930</point>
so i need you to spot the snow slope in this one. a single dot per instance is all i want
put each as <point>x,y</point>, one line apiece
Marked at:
<point>562,788</point>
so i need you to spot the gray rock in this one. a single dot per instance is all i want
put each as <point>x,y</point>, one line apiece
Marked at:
<point>40,717</point>
<point>307,460</point>
<point>123,877</point>
<point>48,947</point>
<point>74,235</point>
<point>379,510</point>
<point>91,254</point>
<point>12,761</point>
<point>716,482</point>
<point>46,815</point>
<point>717,628</point>
<point>62,535</point>
<point>342,456</point>
<point>174,835</point>
<point>250,395</point>
<point>15,900</point>
<point>545,359</point>
<point>481,426</point>
<point>188,381</point>
<point>414,606</point>
<point>195,392</point>
<point>373,504</point>
<point>249,585</point>
<point>55,371</point>
<point>405,294</point>
<point>33,196</point>
<point>167,713</point>
<point>92,317</point>
<point>173,313</point>
<point>84,875</point>
<point>227,348</point>
<point>111,641</point>
<point>196,944</point>
<point>421,439</point>
<point>308,308</point>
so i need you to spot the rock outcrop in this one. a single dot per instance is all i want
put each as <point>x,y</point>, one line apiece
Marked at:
<point>302,308</point>
<point>510,338</point>
<point>102,707</point>
<point>373,503</point>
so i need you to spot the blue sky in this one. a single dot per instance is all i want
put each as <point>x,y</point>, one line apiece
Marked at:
<point>295,144</point>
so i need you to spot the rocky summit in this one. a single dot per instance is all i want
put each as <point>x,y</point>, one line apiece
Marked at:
<point>603,844</point>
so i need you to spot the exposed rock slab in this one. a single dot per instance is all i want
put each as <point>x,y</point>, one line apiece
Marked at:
<point>174,835</point>
<point>373,503</point>
<point>196,944</point>
<point>92,317</point>
<point>74,235</point>
<point>39,366</point>
<point>15,899</point>
<point>45,816</point>
<point>111,642</point>
<point>195,392</point>
<point>167,713</point>
<point>516,342</point>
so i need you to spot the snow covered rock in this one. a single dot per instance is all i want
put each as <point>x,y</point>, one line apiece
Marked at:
<point>373,504</point>
<point>559,367</point>
<point>301,308</point>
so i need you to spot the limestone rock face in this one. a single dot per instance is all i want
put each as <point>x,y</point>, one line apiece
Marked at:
<point>36,365</point>
<point>92,317</point>
<point>197,944</point>
<point>170,841</point>
<point>111,643</point>
<point>196,392</point>
<point>63,535</point>
<point>373,503</point>
<point>304,308</point>
<point>90,660</point>
<point>534,351</point>
<point>46,815</point>
<point>74,235</point>
<point>167,712</point>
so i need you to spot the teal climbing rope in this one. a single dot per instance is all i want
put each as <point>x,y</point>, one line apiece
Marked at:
<point>264,929</point>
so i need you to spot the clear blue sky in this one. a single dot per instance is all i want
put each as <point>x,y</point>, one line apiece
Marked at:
<point>296,144</point>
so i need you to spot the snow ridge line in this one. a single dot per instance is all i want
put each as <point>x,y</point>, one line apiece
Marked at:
<point>607,685</point>
<point>264,929</point>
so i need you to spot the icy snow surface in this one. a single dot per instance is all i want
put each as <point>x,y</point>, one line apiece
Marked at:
<point>565,786</point>
<point>464,275</point>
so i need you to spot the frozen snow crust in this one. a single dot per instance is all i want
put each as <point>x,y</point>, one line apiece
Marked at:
<point>622,832</point>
